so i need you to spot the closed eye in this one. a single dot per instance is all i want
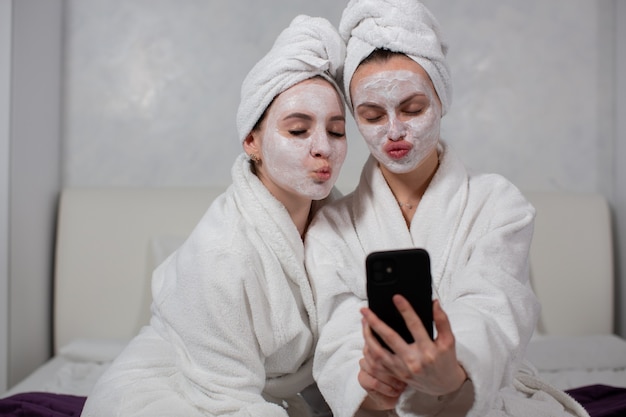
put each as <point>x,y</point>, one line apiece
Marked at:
<point>371,113</point>
<point>299,132</point>
<point>415,105</point>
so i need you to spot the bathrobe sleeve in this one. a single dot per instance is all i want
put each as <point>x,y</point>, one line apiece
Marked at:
<point>332,268</point>
<point>486,293</point>
<point>212,328</point>
<point>232,315</point>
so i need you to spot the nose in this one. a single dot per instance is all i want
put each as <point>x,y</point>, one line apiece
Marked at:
<point>320,145</point>
<point>397,130</point>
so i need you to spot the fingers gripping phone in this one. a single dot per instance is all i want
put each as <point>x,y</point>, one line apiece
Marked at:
<point>405,272</point>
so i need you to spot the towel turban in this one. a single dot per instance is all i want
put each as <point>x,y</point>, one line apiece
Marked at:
<point>309,47</point>
<point>404,26</point>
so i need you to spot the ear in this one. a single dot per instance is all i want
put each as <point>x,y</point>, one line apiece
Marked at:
<point>252,144</point>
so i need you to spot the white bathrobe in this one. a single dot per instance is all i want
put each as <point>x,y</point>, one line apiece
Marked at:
<point>233,323</point>
<point>477,230</point>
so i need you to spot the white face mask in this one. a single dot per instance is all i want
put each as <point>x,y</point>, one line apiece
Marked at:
<point>399,115</point>
<point>304,143</point>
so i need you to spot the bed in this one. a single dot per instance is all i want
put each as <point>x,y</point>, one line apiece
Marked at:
<point>110,239</point>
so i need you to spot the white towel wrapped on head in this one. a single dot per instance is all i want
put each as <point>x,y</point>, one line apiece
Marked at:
<point>405,26</point>
<point>309,47</point>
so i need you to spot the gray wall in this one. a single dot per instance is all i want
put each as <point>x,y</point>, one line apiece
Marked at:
<point>150,89</point>
<point>34,178</point>
<point>153,86</point>
<point>5,83</point>
<point>620,159</point>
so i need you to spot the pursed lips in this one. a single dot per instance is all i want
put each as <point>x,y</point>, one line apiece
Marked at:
<point>323,173</point>
<point>397,150</point>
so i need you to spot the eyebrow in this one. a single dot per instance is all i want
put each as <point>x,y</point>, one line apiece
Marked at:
<point>370,105</point>
<point>409,98</point>
<point>298,116</point>
<point>307,117</point>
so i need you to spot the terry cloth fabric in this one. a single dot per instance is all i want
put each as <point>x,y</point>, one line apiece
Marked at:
<point>309,47</point>
<point>477,229</point>
<point>233,323</point>
<point>405,26</point>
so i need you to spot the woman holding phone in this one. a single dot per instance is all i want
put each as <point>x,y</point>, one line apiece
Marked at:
<point>414,192</point>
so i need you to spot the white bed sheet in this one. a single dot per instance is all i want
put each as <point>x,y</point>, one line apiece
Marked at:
<point>575,378</point>
<point>565,362</point>
<point>568,362</point>
<point>74,370</point>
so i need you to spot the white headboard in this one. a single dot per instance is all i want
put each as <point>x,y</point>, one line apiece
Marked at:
<point>102,281</point>
<point>571,261</point>
<point>103,265</point>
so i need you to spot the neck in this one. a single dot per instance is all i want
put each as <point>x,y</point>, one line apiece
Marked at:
<point>408,188</point>
<point>300,214</point>
<point>298,207</point>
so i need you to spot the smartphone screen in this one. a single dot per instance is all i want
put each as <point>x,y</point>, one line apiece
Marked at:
<point>405,272</point>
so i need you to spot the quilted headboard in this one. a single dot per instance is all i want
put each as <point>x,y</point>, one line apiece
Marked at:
<point>103,260</point>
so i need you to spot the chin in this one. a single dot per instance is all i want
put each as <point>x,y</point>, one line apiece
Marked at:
<point>319,193</point>
<point>399,167</point>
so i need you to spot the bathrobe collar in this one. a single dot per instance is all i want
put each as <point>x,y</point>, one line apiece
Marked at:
<point>432,226</point>
<point>274,226</point>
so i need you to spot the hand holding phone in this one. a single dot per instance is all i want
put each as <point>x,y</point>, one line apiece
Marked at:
<point>405,272</point>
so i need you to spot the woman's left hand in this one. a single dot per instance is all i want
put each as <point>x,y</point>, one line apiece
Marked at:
<point>428,366</point>
<point>383,389</point>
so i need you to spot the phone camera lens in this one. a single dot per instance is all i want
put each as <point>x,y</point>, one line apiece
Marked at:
<point>383,271</point>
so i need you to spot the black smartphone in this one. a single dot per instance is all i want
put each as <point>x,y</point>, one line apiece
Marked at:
<point>405,272</point>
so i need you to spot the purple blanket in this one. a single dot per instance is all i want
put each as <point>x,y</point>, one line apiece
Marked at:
<point>598,400</point>
<point>601,400</point>
<point>41,404</point>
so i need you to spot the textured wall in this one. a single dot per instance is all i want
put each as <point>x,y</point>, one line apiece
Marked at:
<point>152,88</point>
<point>528,94</point>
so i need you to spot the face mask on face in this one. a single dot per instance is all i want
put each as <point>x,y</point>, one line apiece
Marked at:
<point>304,142</point>
<point>399,116</point>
